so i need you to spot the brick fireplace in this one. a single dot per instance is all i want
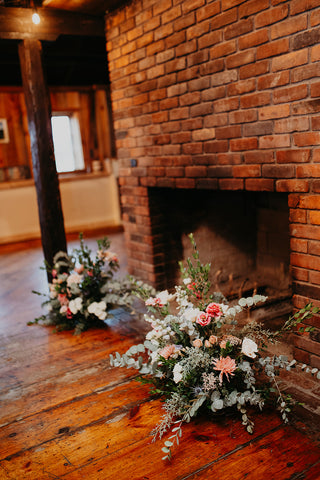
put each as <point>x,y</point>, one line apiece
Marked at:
<point>216,109</point>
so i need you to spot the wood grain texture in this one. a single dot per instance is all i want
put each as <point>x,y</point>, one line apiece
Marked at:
<point>65,414</point>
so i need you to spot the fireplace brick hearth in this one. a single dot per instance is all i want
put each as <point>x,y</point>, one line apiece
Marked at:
<point>219,95</point>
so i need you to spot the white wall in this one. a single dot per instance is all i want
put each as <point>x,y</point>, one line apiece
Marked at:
<point>88,202</point>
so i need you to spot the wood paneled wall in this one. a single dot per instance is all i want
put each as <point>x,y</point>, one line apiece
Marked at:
<point>12,108</point>
<point>92,108</point>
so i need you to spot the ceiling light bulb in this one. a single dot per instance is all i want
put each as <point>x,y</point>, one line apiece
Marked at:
<point>35,18</point>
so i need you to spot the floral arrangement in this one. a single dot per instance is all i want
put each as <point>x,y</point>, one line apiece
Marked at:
<point>197,359</point>
<point>83,289</point>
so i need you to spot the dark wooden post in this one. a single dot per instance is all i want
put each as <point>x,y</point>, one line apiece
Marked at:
<point>44,167</point>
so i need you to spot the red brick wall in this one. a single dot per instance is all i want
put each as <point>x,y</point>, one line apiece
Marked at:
<point>221,94</point>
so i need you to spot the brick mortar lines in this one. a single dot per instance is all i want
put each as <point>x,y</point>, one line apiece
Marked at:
<point>245,101</point>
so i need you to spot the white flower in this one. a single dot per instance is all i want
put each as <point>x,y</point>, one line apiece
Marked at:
<point>249,347</point>
<point>177,373</point>
<point>74,278</point>
<point>224,308</point>
<point>53,291</point>
<point>75,305</point>
<point>98,309</point>
<point>186,281</point>
<point>191,314</point>
<point>217,404</point>
<point>165,297</point>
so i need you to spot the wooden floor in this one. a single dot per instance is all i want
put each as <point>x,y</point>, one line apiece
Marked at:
<point>65,414</point>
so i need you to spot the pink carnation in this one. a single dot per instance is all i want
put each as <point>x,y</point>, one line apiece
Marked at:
<point>203,319</point>
<point>214,310</point>
<point>226,365</point>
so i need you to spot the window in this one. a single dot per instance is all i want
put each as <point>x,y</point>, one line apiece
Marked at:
<point>4,135</point>
<point>67,142</point>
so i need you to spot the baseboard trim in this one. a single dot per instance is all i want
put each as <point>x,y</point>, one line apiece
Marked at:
<point>15,244</point>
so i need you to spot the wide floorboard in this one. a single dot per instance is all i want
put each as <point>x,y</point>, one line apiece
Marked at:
<point>66,414</point>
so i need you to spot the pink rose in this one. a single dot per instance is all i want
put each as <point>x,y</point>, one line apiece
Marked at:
<point>197,343</point>
<point>213,339</point>
<point>214,310</point>
<point>203,319</point>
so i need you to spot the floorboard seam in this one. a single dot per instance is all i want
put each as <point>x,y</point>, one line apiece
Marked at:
<point>226,455</point>
<point>301,475</point>
<point>73,400</point>
<point>116,413</point>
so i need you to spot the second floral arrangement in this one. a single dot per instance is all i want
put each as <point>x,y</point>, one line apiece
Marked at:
<point>83,288</point>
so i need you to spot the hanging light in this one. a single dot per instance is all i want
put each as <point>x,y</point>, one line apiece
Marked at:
<point>36,18</point>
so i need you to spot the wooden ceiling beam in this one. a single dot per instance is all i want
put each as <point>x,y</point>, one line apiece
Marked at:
<point>16,23</point>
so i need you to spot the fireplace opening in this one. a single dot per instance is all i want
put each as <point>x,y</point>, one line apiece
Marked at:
<point>243,235</point>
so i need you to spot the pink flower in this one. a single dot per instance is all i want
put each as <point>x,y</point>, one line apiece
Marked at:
<point>154,302</point>
<point>214,310</point>
<point>79,269</point>
<point>213,339</point>
<point>54,272</point>
<point>167,351</point>
<point>226,366</point>
<point>62,297</point>
<point>197,343</point>
<point>203,319</point>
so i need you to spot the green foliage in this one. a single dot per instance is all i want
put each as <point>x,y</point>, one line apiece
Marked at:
<point>198,273</point>
<point>300,317</point>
